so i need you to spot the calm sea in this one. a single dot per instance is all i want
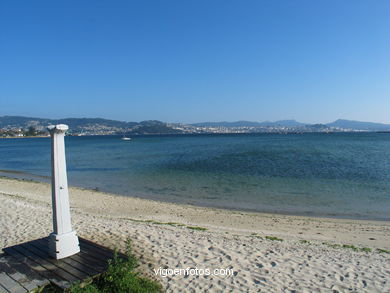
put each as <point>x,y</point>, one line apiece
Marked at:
<point>334,175</point>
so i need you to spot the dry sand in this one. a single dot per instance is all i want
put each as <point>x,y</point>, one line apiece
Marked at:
<point>304,261</point>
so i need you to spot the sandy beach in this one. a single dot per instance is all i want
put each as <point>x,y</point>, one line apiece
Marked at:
<point>265,252</point>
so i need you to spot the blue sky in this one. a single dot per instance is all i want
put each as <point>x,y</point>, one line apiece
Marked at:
<point>192,61</point>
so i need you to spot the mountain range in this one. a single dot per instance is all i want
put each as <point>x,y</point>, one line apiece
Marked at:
<point>350,124</point>
<point>89,125</point>
<point>106,126</point>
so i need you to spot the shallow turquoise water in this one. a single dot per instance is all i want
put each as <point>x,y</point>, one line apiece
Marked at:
<point>336,175</point>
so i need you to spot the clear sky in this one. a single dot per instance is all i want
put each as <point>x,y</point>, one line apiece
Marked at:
<point>195,60</point>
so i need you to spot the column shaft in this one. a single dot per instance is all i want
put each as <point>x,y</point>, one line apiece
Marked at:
<point>60,195</point>
<point>63,242</point>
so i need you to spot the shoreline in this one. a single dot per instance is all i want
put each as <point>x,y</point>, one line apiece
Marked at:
<point>25,176</point>
<point>266,251</point>
<point>117,206</point>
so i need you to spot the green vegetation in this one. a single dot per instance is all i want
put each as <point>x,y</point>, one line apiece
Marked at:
<point>31,131</point>
<point>153,127</point>
<point>170,224</point>
<point>354,248</point>
<point>197,228</point>
<point>380,250</point>
<point>304,241</point>
<point>154,222</point>
<point>119,277</point>
<point>366,249</point>
<point>333,245</point>
<point>273,238</point>
<point>174,224</point>
<point>349,246</point>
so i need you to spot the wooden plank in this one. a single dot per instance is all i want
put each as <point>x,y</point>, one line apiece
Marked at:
<point>71,262</point>
<point>29,264</point>
<point>47,265</point>
<point>102,249</point>
<point>21,273</point>
<point>56,276</point>
<point>97,251</point>
<point>92,255</point>
<point>43,255</point>
<point>2,289</point>
<point>93,266</point>
<point>91,260</point>
<point>107,251</point>
<point>17,265</point>
<point>101,252</point>
<point>97,254</point>
<point>10,284</point>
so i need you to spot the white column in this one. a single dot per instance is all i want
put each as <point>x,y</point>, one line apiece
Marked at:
<point>63,242</point>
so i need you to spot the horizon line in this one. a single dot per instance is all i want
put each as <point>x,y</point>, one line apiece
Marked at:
<point>220,121</point>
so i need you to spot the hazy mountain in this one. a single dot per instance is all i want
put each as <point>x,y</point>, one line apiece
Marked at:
<point>289,123</point>
<point>341,123</point>
<point>358,125</point>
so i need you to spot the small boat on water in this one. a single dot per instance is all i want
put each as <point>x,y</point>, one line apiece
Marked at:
<point>125,138</point>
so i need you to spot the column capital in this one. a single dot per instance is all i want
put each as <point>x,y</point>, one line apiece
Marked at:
<point>59,128</point>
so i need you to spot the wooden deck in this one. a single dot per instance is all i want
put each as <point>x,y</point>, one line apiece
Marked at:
<point>26,266</point>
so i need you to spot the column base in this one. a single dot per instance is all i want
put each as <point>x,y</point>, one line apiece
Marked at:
<point>63,245</point>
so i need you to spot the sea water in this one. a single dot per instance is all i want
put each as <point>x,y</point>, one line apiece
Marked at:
<point>334,175</point>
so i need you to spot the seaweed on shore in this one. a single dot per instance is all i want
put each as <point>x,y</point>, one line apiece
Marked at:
<point>273,238</point>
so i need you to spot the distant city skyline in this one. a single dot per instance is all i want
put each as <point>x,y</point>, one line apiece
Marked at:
<point>196,61</point>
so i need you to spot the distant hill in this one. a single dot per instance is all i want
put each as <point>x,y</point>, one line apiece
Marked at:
<point>15,121</point>
<point>153,127</point>
<point>288,123</point>
<point>89,125</point>
<point>358,125</point>
<point>340,123</point>
<point>20,121</point>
